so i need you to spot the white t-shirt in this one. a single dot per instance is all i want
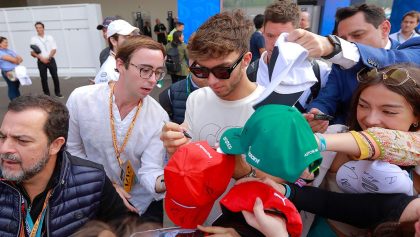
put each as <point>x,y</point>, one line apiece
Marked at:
<point>107,72</point>
<point>207,116</point>
<point>90,138</point>
<point>46,44</point>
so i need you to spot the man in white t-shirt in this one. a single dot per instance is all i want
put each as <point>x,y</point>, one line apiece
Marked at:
<point>118,124</point>
<point>117,32</point>
<point>221,56</point>
<point>46,60</point>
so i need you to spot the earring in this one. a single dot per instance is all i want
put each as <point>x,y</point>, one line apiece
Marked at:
<point>416,124</point>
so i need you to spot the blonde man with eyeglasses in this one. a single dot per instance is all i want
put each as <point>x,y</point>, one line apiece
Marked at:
<point>118,124</point>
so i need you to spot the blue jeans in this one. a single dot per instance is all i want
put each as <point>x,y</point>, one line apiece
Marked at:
<point>13,86</point>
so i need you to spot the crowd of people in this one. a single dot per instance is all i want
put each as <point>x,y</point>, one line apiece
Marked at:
<point>268,129</point>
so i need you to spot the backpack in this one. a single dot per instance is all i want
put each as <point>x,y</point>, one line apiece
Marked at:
<point>173,63</point>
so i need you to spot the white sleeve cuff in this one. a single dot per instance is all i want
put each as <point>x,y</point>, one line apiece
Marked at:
<point>349,55</point>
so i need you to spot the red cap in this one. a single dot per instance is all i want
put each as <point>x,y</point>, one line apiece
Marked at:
<point>242,197</point>
<point>195,176</point>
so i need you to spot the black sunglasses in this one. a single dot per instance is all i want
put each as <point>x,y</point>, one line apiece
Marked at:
<point>219,72</point>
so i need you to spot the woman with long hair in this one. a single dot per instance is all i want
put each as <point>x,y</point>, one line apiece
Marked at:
<point>178,43</point>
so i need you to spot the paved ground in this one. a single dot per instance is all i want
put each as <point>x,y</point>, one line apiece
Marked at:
<point>67,86</point>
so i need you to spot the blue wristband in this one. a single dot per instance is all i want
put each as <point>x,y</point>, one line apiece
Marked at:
<point>322,143</point>
<point>288,191</point>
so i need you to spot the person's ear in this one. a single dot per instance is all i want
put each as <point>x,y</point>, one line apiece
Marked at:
<point>247,58</point>
<point>114,42</point>
<point>385,29</point>
<point>56,145</point>
<point>120,65</point>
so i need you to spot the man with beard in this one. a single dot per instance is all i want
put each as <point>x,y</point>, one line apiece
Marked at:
<point>45,191</point>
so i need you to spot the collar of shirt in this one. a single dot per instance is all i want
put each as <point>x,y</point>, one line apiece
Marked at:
<point>388,44</point>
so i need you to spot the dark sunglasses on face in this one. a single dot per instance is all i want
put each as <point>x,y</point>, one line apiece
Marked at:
<point>219,72</point>
<point>391,77</point>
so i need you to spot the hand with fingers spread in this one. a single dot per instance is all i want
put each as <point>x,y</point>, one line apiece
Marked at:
<point>216,231</point>
<point>269,225</point>
<point>125,196</point>
<point>173,136</point>
<point>316,125</point>
<point>316,45</point>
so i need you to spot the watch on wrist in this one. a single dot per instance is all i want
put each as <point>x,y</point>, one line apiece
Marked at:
<point>335,41</point>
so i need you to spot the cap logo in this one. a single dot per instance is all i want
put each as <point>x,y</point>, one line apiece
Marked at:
<point>283,199</point>
<point>228,145</point>
<point>310,152</point>
<point>250,155</point>
<point>179,204</point>
<point>204,149</point>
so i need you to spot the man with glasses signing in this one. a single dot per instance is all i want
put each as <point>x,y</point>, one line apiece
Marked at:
<point>118,125</point>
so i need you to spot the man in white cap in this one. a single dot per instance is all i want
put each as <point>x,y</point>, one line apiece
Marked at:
<point>103,56</point>
<point>117,32</point>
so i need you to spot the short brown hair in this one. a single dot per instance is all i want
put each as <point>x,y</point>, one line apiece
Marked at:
<point>135,42</point>
<point>373,14</point>
<point>220,35</point>
<point>414,14</point>
<point>282,12</point>
<point>57,123</point>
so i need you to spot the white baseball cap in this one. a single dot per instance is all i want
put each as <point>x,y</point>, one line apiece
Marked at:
<point>120,27</point>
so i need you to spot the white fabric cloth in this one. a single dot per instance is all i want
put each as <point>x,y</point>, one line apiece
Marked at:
<point>400,38</point>
<point>90,138</point>
<point>292,71</point>
<point>365,176</point>
<point>46,44</point>
<point>262,77</point>
<point>207,117</point>
<point>107,72</point>
<point>22,75</point>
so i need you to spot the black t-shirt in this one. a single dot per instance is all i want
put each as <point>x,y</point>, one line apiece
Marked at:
<point>160,30</point>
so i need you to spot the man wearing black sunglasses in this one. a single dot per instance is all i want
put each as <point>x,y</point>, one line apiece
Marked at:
<point>220,50</point>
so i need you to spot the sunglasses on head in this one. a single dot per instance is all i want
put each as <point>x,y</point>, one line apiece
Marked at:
<point>219,72</point>
<point>391,77</point>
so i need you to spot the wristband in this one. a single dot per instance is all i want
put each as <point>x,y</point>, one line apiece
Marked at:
<point>251,173</point>
<point>322,143</point>
<point>288,191</point>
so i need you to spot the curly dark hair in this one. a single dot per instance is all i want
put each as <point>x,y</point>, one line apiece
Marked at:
<point>221,35</point>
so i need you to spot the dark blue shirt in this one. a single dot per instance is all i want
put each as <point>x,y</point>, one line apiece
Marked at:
<point>257,42</point>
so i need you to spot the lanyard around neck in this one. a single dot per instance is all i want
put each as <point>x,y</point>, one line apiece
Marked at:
<point>117,150</point>
<point>33,229</point>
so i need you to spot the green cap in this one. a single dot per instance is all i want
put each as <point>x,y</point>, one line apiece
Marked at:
<point>277,140</point>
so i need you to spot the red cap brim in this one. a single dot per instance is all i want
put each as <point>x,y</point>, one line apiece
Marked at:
<point>185,216</point>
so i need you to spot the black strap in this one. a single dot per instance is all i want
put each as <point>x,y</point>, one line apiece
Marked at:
<point>165,101</point>
<point>252,70</point>
<point>317,86</point>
